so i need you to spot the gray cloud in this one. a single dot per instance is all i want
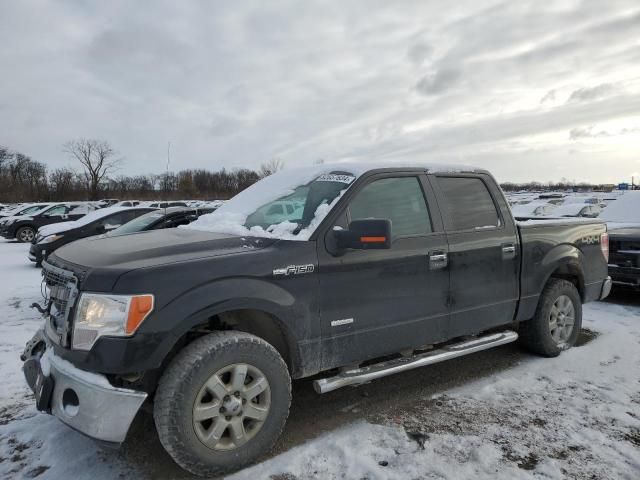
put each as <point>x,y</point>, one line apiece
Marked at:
<point>419,52</point>
<point>438,81</point>
<point>236,83</point>
<point>590,132</point>
<point>592,93</point>
<point>549,97</point>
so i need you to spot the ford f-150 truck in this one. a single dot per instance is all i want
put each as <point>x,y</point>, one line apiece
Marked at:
<point>372,271</point>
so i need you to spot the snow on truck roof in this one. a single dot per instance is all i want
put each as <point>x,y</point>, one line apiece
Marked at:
<point>238,215</point>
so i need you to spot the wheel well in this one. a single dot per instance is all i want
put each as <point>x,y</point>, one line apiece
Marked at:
<point>256,322</point>
<point>572,274</point>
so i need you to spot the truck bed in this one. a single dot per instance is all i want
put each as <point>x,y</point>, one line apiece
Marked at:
<point>545,242</point>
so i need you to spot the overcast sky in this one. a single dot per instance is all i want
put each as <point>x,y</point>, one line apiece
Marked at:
<point>528,89</point>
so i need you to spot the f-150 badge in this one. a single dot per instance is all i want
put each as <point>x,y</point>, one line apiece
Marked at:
<point>293,270</point>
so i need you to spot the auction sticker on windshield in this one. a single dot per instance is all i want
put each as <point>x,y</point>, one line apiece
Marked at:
<point>334,177</point>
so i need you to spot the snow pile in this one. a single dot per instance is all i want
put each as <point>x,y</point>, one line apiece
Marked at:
<point>230,218</point>
<point>625,211</point>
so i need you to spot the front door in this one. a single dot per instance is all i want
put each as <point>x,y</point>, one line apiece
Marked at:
<point>379,302</point>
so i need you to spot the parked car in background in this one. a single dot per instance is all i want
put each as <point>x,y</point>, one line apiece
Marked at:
<point>24,209</point>
<point>101,221</point>
<point>171,217</point>
<point>533,209</point>
<point>585,210</point>
<point>107,202</point>
<point>623,221</point>
<point>127,203</point>
<point>24,227</point>
<point>166,204</point>
<point>592,200</point>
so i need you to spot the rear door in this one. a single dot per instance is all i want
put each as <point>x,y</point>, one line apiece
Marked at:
<point>378,302</point>
<point>483,252</point>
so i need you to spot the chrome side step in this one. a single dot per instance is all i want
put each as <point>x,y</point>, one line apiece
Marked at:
<point>358,376</point>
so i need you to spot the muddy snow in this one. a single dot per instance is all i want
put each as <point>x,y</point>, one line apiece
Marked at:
<point>575,416</point>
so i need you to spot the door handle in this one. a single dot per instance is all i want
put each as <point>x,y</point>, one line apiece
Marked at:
<point>438,260</point>
<point>508,251</point>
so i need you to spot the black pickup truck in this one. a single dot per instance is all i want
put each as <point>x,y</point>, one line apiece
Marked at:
<point>359,273</point>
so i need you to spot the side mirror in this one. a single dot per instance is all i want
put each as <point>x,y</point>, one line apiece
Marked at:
<point>371,234</point>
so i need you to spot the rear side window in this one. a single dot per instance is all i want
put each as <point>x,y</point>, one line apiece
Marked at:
<point>397,199</point>
<point>467,203</point>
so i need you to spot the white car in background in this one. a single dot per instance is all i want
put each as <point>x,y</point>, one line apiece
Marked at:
<point>586,210</point>
<point>533,209</point>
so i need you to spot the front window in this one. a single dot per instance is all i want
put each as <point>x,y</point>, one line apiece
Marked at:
<point>289,204</point>
<point>139,224</point>
<point>56,211</point>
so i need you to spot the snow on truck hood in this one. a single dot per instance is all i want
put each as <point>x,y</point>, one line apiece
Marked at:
<point>232,217</point>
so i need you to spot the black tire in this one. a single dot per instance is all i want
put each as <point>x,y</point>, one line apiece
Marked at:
<point>536,335</point>
<point>25,234</point>
<point>185,377</point>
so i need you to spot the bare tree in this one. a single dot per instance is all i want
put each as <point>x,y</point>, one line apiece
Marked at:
<point>96,157</point>
<point>272,166</point>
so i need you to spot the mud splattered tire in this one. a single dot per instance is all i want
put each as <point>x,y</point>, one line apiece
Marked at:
<point>557,321</point>
<point>222,403</point>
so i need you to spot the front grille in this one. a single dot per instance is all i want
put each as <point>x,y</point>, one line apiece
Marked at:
<point>624,253</point>
<point>60,289</point>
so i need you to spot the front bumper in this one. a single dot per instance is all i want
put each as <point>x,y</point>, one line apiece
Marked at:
<point>85,401</point>
<point>36,253</point>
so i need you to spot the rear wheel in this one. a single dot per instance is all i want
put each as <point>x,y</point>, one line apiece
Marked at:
<point>222,402</point>
<point>557,322</point>
<point>25,234</point>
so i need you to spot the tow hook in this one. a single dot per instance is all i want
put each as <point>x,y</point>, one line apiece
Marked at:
<point>37,306</point>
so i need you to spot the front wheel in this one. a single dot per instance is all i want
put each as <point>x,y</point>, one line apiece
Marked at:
<point>25,234</point>
<point>557,321</point>
<point>222,402</point>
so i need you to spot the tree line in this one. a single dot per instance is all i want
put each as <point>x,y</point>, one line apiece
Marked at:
<point>562,185</point>
<point>23,179</point>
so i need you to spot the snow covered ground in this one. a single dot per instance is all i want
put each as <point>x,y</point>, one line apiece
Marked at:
<point>575,416</point>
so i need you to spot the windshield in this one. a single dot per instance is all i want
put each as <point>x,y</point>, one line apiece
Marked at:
<point>33,209</point>
<point>138,224</point>
<point>289,204</point>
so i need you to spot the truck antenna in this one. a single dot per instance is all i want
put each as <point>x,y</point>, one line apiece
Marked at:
<point>166,179</point>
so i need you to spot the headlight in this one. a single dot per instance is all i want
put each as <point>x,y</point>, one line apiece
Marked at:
<point>10,221</point>
<point>49,239</point>
<point>111,315</point>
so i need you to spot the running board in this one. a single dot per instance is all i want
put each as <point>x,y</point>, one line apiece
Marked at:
<point>358,376</point>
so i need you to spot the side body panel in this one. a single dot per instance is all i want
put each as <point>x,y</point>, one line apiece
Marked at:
<point>378,302</point>
<point>572,248</point>
<point>484,266</point>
